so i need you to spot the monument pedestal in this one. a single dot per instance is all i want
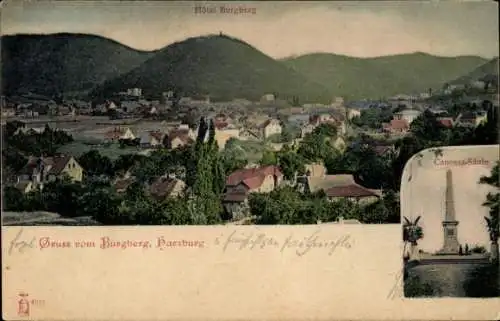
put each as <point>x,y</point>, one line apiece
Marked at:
<point>451,245</point>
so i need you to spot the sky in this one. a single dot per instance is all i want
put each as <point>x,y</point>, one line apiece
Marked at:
<point>359,29</point>
<point>424,196</point>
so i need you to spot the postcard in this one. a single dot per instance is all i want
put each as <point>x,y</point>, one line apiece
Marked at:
<point>249,160</point>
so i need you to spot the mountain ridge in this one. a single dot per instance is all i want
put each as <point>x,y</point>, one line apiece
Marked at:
<point>220,66</point>
<point>414,53</point>
<point>489,70</point>
<point>63,62</point>
<point>87,63</point>
<point>382,76</point>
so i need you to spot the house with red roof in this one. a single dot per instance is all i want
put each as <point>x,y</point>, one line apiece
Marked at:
<point>447,122</point>
<point>341,186</point>
<point>396,126</point>
<point>242,182</point>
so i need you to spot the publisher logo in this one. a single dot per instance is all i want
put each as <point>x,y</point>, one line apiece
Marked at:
<point>23,305</point>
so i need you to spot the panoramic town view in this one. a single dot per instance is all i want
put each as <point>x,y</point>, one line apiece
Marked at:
<point>216,126</point>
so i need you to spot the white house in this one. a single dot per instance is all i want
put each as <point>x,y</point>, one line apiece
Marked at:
<point>407,114</point>
<point>271,127</point>
<point>351,113</point>
<point>268,97</point>
<point>134,92</point>
<point>307,129</point>
<point>119,133</point>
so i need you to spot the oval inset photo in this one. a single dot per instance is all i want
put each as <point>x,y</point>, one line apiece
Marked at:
<point>449,208</point>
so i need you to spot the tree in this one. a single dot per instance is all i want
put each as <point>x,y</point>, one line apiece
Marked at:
<point>176,97</point>
<point>13,199</point>
<point>291,164</point>
<point>268,158</point>
<point>286,135</point>
<point>346,209</point>
<point>102,204</point>
<point>208,177</point>
<point>373,117</point>
<point>412,232</point>
<point>12,126</point>
<point>125,162</point>
<point>406,147</point>
<point>175,212</point>
<point>325,130</point>
<point>487,133</point>
<point>316,146</point>
<point>218,169</point>
<point>385,210</point>
<point>493,202</point>
<point>233,157</point>
<point>13,158</point>
<point>61,196</point>
<point>427,128</point>
<point>95,164</point>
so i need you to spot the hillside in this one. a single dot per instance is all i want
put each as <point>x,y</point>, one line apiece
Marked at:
<point>56,63</point>
<point>219,66</point>
<point>487,71</point>
<point>382,76</point>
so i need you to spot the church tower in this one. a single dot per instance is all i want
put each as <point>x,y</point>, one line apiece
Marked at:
<point>451,244</point>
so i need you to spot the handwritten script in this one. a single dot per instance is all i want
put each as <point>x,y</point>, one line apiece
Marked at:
<point>20,244</point>
<point>302,245</point>
<point>238,239</point>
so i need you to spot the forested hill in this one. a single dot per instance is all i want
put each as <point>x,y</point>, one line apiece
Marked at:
<point>219,66</point>
<point>63,63</point>
<point>487,71</point>
<point>382,76</point>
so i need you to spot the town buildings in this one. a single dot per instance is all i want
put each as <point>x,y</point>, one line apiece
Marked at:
<point>337,187</point>
<point>271,127</point>
<point>118,133</point>
<point>40,170</point>
<point>408,114</point>
<point>165,187</point>
<point>241,183</point>
<point>151,139</point>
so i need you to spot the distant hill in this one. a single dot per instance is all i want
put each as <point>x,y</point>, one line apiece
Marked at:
<point>487,71</point>
<point>219,66</point>
<point>57,63</point>
<point>383,76</point>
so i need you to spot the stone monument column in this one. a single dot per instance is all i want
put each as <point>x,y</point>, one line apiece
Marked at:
<point>451,244</point>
